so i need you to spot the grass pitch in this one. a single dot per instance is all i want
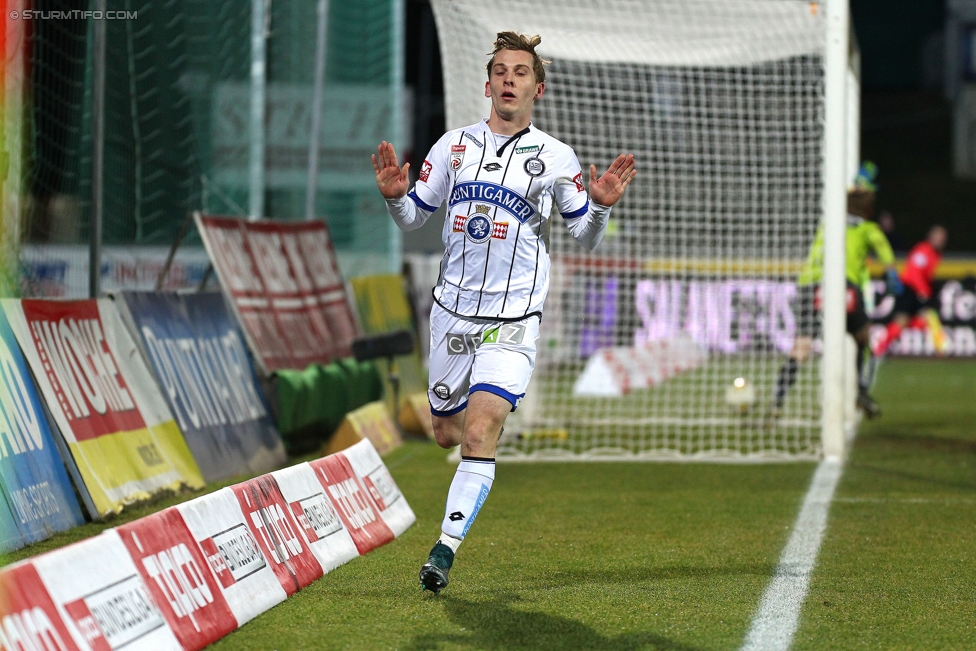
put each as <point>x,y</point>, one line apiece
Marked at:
<point>677,556</point>
<point>671,556</point>
<point>897,568</point>
<point>562,556</point>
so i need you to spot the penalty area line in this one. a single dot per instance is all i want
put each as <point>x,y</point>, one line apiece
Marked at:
<point>776,619</point>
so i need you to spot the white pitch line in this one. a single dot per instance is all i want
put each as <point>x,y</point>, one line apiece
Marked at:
<point>779,611</point>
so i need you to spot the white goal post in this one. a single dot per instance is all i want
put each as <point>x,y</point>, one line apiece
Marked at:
<point>742,115</point>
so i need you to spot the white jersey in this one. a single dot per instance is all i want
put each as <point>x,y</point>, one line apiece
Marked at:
<point>499,200</point>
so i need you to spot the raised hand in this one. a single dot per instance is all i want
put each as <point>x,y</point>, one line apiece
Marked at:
<point>391,179</point>
<point>608,189</point>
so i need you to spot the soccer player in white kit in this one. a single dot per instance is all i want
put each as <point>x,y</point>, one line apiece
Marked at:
<point>501,178</point>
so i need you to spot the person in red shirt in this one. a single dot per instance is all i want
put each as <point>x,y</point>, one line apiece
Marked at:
<point>911,306</point>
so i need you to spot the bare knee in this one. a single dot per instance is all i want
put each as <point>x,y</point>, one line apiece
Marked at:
<point>479,438</point>
<point>486,415</point>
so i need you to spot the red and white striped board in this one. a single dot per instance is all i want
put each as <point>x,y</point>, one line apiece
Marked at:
<point>186,576</point>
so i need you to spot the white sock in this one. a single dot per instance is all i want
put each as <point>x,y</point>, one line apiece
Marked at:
<point>468,493</point>
<point>450,541</point>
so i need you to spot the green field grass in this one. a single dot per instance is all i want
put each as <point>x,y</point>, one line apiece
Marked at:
<point>897,569</point>
<point>580,556</point>
<point>685,416</point>
<point>672,556</point>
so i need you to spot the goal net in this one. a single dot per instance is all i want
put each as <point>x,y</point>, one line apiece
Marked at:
<point>694,285</point>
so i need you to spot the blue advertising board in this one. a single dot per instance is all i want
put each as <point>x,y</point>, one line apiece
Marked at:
<point>37,497</point>
<point>202,366</point>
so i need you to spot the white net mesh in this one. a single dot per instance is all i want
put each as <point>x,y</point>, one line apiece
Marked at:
<point>722,105</point>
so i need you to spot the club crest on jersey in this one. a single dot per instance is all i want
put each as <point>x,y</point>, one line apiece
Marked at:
<point>425,171</point>
<point>478,228</point>
<point>499,230</point>
<point>457,156</point>
<point>534,166</point>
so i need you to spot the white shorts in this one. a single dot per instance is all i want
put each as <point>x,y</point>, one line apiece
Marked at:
<point>468,355</point>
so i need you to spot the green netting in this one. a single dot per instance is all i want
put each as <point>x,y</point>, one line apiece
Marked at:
<point>177,107</point>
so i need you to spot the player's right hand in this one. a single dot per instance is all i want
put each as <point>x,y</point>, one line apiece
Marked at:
<point>391,179</point>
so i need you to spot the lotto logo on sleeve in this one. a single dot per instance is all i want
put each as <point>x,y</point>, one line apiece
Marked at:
<point>425,171</point>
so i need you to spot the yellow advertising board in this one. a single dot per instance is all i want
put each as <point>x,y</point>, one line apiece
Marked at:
<point>371,421</point>
<point>384,307</point>
<point>120,432</point>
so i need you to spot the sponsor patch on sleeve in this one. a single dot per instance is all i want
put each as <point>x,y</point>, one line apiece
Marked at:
<point>457,156</point>
<point>425,171</point>
<point>578,180</point>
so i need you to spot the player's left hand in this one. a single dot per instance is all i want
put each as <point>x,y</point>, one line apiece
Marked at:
<point>608,189</point>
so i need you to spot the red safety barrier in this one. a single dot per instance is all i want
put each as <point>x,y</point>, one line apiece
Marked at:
<point>186,576</point>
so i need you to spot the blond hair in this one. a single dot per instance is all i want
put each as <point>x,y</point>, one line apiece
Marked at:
<point>520,43</point>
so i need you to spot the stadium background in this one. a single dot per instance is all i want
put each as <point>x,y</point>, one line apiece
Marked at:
<point>907,129</point>
<point>177,82</point>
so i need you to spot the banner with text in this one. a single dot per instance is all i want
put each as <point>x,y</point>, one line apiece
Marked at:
<point>730,316</point>
<point>203,368</point>
<point>61,270</point>
<point>283,281</point>
<point>103,399</point>
<point>37,496</point>
<point>188,575</point>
